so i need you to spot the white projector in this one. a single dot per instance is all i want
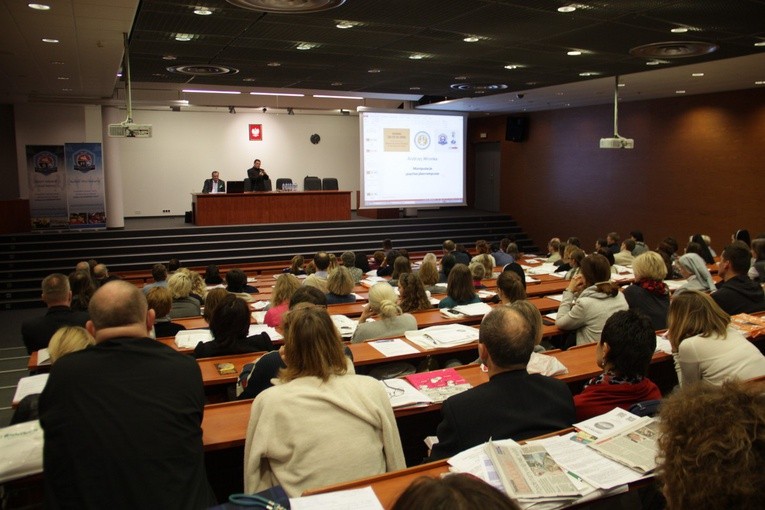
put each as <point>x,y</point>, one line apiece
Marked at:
<point>617,143</point>
<point>130,130</point>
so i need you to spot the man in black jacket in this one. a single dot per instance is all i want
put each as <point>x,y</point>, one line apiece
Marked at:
<point>57,295</point>
<point>737,293</point>
<point>513,404</point>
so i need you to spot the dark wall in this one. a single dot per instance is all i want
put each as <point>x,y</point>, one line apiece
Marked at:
<point>9,175</point>
<point>698,166</point>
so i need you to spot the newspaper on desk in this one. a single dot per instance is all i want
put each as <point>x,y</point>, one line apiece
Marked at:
<point>635,446</point>
<point>529,472</point>
<point>189,338</point>
<point>445,335</point>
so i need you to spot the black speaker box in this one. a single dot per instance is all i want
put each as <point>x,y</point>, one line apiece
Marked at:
<point>517,129</point>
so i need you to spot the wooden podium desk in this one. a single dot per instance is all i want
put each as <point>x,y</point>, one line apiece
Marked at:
<point>270,207</point>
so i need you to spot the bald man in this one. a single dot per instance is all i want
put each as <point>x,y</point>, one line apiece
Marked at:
<point>513,404</point>
<point>122,420</point>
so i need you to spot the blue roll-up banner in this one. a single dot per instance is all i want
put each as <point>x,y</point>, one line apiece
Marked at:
<point>47,187</point>
<point>85,185</point>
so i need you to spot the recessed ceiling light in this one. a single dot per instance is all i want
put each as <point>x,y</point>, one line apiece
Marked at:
<point>567,8</point>
<point>460,77</point>
<point>56,62</point>
<point>66,90</point>
<point>183,37</point>
<point>305,46</point>
<point>656,62</point>
<point>336,83</point>
<point>679,30</point>
<point>679,92</point>
<point>761,43</point>
<point>761,82</point>
<point>696,75</point>
<point>472,38</point>
<point>169,57</point>
<point>417,56</point>
<point>276,94</point>
<point>324,96</point>
<point>52,41</point>
<point>588,73</point>
<point>39,7</point>
<point>248,79</point>
<point>202,11</point>
<point>513,66</point>
<point>414,88</point>
<point>274,64</point>
<point>119,75</point>
<point>622,84</point>
<point>200,91</point>
<point>63,78</point>
<point>343,24</point>
<point>574,53</point>
<point>373,71</point>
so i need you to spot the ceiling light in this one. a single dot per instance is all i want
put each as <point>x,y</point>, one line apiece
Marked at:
<point>761,82</point>
<point>414,88</point>
<point>305,46</point>
<point>656,62</point>
<point>202,11</point>
<point>416,56</point>
<point>588,73</point>
<point>183,37</point>
<point>200,91</point>
<point>472,38</point>
<point>460,77</point>
<point>62,78</point>
<point>679,30</point>
<point>697,75</point>
<point>52,41</point>
<point>336,83</point>
<point>513,66</point>
<point>567,8</point>
<point>573,53</point>
<point>39,7</point>
<point>119,75</point>
<point>622,84</point>
<point>276,94</point>
<point>56,62</point>
<point>169,57</point>
<point>337,97</point>
<point>679,92</point>
<point>248,79</point>
<point>761,43</point>
<point>66,90</point>
<point>373,71</point>
<point>343,24</point>
<point>274,64</point>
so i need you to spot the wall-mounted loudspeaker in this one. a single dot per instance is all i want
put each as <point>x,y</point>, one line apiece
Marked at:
<point>517,129</point>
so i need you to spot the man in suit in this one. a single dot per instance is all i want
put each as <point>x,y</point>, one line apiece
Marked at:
<point>57,295</point>
<point>214,185</point>
<point>257,176</point>
<point>122,419</point>
<point>513,404</point>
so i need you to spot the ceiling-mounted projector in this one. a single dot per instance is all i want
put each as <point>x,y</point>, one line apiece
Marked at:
<point>130,130</point>
<point>617,143</point>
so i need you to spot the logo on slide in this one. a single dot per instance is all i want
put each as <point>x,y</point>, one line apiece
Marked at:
<point>442,139</point>
<point>422,140</point>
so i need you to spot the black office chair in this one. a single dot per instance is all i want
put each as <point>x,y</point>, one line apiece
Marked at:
<point>282,181</point>
<point>247,184</point>
<point>267,185</point>
<point>311,183</point>
<point>329,183</point>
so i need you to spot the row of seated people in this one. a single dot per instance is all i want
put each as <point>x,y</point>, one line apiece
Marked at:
<point>317,382</point>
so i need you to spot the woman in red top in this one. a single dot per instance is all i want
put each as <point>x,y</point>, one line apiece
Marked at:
<point>624,352</point>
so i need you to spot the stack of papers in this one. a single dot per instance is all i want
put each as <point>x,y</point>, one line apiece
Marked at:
<point>391,347</point>
<point>345,325</point>
<point>189,338</point>
<point>473,309</point>
<point>543,269</point>
<point>447,335</point>
<point>545,365</point>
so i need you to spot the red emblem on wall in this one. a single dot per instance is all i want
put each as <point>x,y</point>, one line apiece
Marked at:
<point>256,132</point>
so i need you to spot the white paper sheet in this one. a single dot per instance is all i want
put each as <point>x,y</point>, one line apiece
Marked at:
<point>355,499</point>
<point>188,339</point>
<point>29,386</point>
<point>256,329</point>
<point>393,347</point>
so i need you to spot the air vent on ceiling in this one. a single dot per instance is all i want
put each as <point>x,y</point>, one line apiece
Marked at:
<point>674,49</point>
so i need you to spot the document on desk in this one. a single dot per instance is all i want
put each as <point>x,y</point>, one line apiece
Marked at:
<point>607,423</point>
<point>663,345</point>
<point>259,305</point>
<point>345,325</point>
<point>474,309</point>
<point>256,329</point>
<point>486,294</point>
<point>260,317</point>
<point>403,394</point>
<point>30,385</point>
<point>546,365</point>
<point>389,347</point>
<point>556,297</point>
<point>189,338</point>
<point>445,335</point>
<point>635,446</point>
<point>589,465</point>
<point>354,499</point>
<point>543,269</point>
<point>43,357</point>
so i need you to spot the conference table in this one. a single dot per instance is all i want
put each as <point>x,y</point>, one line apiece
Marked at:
<point>210,209</point>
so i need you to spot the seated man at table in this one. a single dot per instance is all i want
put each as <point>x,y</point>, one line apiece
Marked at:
<point>737,293</point>
<point>122,419</point>
<point>319,278</point>
<point>214,184</point>
<point>513,403</point>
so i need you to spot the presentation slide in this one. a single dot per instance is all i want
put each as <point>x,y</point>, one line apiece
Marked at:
<point>411,159</point>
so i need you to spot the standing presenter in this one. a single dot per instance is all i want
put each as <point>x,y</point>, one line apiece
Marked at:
<point>257,176</point>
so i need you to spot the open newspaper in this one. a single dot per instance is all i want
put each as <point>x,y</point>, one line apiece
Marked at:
<point>529,471</point>
<point>633,446</point>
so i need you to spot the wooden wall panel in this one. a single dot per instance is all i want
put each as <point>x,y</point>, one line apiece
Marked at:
<point>697,166</point>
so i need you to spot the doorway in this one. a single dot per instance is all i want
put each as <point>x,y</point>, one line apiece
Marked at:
<point>487,176</point>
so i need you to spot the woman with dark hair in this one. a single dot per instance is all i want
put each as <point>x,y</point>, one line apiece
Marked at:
<point>412,295</point>
<point>456,491</point>
<point>386,267</point>
<point>447,264</point>
<point>82,287</point>
<point>236,282</point>
<point>624,352</point>
<point>400,265</point>
<point>742,235</point>
<point>510,288</point>
<point>296,266</point>
<point>757,271</point>
<point>212,275</point>
<point>160,300</point>
<point>459,289</point>
<point>212,300</point>
<point>705,253</point>
<point>230,325</point>
<point>589,300</point>
<point>321,424</point>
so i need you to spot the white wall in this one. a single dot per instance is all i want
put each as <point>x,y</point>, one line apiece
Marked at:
<point>159,173</point>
